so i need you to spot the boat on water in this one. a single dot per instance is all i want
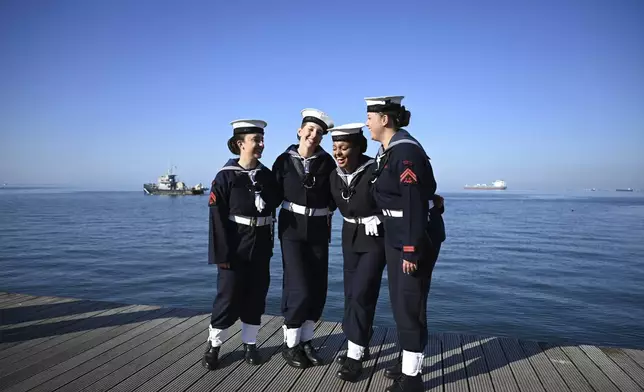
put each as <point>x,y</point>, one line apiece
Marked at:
<point>167,184</point>
<point>498,185</point>
<point>624,189</point>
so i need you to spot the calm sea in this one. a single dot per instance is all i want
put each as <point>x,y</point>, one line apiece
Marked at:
<point>554,267</point>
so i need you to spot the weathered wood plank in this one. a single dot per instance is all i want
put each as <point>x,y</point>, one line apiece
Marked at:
<point>88,341</point>
<point>146,366</point>
<point>610,369</point>
<point>500,372</point>
<point>177,326</point>
<point>45,311</point>
<point>592,373</point>
<point>524,374</point>
<point>324,376</point>
<point>627,364</point>
<point>454,374</point>
<point>387,357</point>
<point>51,379</point>
<point>635,355</point>
<point>568,371</point>
<point>478,376</point>
<point>550,378</point>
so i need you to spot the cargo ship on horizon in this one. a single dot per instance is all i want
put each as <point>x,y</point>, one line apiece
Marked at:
<point>498,185</point>
<point>167,184</point>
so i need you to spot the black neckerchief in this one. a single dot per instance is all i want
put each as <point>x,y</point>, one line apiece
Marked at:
<point>303,166</point>
<point>348,188</point>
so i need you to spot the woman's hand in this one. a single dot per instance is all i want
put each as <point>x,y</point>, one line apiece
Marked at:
<point>408,267</point>
<point>224,265</point>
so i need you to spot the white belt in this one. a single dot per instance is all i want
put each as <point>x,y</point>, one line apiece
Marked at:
<point>399,213</point>
<point>361,220</point>
<point>251,221</point>
<point>304,210</point>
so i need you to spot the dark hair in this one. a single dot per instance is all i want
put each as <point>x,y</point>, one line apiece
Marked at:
<point>400,118</point>
<point>356,140</point>
<point>232,143</point>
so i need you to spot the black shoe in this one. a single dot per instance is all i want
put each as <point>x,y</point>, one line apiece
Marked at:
<point>394,372</point>
<point>343,357</point>
<point>350,370</point>
<point>295,356</point>
<point>251,355</point>
<point>311,353</point>
<point>210,357</point>
<point>407,384</point>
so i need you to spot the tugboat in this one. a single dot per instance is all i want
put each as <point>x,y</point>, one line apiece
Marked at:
<point>167,184</point>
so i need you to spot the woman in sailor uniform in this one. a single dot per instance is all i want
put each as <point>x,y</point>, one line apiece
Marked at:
<point>243,199</point>
<point>304,228</point>
<point>404,188</point>
<point>362,243</point>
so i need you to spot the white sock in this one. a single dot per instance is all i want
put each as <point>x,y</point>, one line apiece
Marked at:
<point>307,330</point>
<point>216,336</point>
<point>293,336</point>
<point>354,351</point>
<point>284,330</point>
<point>249,333</point>
<point>412,363</point>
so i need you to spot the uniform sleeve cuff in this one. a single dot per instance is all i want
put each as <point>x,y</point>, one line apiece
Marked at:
<point>409,254</point>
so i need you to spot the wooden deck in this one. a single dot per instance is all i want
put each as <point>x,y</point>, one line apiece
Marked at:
<point>64,344</point>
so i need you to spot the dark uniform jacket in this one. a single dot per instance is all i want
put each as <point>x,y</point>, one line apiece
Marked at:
<point>405,181</point>
<point>360,204</point>
<point>233,193</point>
<point>304,182</point>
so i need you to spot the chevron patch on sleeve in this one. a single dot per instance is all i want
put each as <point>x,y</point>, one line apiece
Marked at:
<point>408,177</point>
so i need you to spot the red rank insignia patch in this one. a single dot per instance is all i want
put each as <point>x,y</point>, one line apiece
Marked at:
<point>409,249</point>
<point>213,199</point>
<point>408,177</point>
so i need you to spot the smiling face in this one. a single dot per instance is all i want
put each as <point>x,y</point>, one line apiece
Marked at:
<point>310,135</point>
<point>346,154</point>
<point>251,146</point>
<point>377,122</point>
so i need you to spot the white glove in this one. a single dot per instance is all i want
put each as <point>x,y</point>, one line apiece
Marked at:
<point>371,226</point>
<point>259,202</point>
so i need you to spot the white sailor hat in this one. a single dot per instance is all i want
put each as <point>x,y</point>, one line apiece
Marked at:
<point>347,129</point>
<point>384,104</point>
<point>318,117</point>
<point>248,126</point>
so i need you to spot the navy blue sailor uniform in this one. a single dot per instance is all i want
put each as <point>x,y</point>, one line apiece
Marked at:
<point>404,188</point>
<point>362,250</point>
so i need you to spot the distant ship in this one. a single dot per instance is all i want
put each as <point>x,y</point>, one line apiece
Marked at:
<point>496,185</point>
<point>624,189</point>
<point>167,184</point>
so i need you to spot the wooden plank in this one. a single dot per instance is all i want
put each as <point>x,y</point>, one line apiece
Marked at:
<point>568,371</point>
<point>587,368</point>
<point>58,330</point>
<point>454,374</point>
<point>237,371</point>
<point>550,378</point>
<point>42,314</point>
<point>12,316</point>
<point>50,379</point>
<point>387,357</point>
<point>16,300</point>
<point>194,370</point>
<point>478,377</point>
<point>231,357</point>
<point>57,343</point>
<point>88,341</point>
<point>635,355</point>
<point>368,367</point>
<point>524,374</point>
<point>610,369</point>
<point>627,364</point>
<point>500,372</point>
<point>178,325</point>
<point>146,366</point>
<point>321,377</point>
<point>277,372</point>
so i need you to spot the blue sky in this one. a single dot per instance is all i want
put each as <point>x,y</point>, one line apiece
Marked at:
<point>544,94</point>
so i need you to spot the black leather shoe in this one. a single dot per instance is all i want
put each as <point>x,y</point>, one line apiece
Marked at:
<point>295,356</point>
<point>210,357</point>
<point>394,372</point>
<point>350,370</point>
<point>251,355</point>
<point>311,353</point>
<point>343,357</point>
<point>407,384</point>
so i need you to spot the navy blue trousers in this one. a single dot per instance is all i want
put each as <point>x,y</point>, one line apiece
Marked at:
<point>241,293</point>
<point>306,275</point>
<point>408,295</point>
<point>362,279</point>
